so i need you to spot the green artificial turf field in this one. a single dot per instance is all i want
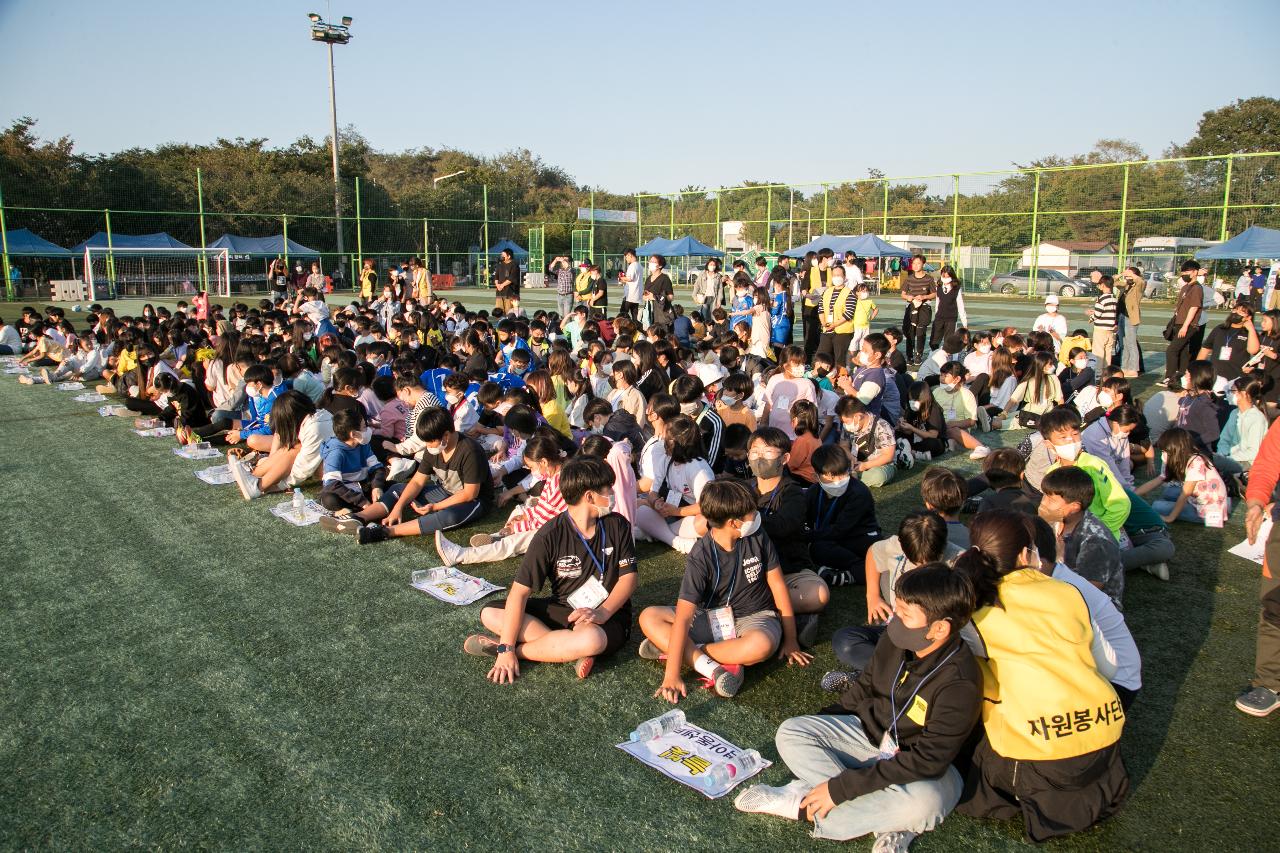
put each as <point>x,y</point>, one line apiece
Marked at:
<point>184,669</point>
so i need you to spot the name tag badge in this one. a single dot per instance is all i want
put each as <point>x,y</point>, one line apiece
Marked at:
<point>590,595</point>
<point>888,747</point>
<point>1213,517</point>
<point>673,497</point>
<point>951,414</point>
<point>918,711</point>
<point>722,624</point>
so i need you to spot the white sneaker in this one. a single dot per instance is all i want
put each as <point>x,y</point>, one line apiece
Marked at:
<point>980,452</point>
<point>923,456</point>
<point>683,544</point>
<point>244,479</point>
<point>449,552</point>
<point>781,802</point>
<point>893,842</point>
<point>1160,570</point>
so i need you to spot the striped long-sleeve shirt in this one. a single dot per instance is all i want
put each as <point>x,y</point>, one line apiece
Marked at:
<point>1104,311</point>
<point>549,504</point>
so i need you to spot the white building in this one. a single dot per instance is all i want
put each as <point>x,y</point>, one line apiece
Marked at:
<point>1068,256</point>
<point>931,247</point>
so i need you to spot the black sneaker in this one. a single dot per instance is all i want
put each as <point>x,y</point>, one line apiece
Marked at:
<point>1258,702</point>
<point>373,532</point>
<point>806,629</point>
<point>836,577</point>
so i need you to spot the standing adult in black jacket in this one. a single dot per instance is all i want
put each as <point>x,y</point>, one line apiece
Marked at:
<point>918,291</point>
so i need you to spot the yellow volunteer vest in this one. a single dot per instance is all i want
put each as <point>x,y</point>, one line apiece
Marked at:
<point>1044,697</point>
<point>815,284</point>
<point>841,303</point>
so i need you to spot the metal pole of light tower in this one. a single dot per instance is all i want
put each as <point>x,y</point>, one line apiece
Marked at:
<point>337,187</point>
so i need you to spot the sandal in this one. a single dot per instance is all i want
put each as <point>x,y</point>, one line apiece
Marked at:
<point>834,577</point>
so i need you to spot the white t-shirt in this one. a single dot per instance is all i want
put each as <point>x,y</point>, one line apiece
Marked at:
<point>316,429</point>
<point>653,461</point>
<point>633,288</point>
<point>1051,323</point>
<point>780,393</point>
<point>10,338</point>
<point>686,480</point>
<point>1114,651</point>
<point>315,311</point>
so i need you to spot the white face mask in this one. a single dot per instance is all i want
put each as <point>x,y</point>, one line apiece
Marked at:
<point>1051,309</point>
<point>653,267</point>
<point>1186,383</point>
<point>252,391</point>
<point>1105,399</point>
<point>690,408</point>
<point>1081,363</point>
<point>434,451</point>
<point>813,263</point>
<point>1048,371</point>
<point>751,526</point>
<point>849,426</point>
<point>837,282</point>
<point>915,405</point>
<point>729,399</point>
<point>366,435</point>
<point>1068,451</point>
<point>835,489</point>
<point>796,371</point>
<point>984,348</point>
<point>597,428</point>
<point>453,399</point>
<point>946,279</point>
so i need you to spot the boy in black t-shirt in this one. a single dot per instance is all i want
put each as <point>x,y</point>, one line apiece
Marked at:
<point>588,556</point>
<point>841,519</point>
<point>733,608</point>
<point>464,491</point>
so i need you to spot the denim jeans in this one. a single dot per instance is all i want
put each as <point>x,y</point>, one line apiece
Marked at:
<point>441,519</point>
<point>1164,505</point>
<point>1129,359</point>
<point>816,748</point>
<point>564,305</point>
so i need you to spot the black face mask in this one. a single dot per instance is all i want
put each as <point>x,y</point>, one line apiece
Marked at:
<point>909,639</point>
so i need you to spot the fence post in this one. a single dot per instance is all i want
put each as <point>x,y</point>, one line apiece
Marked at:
<point>111,258</point>
<point>426,258</point>
<point>592,250</point>
<point>359,230</point>
<point>1124,221</point>
<point>719,230</point>
<point>4,253</point>
<point>884,233</point>
<point>824,209</point>
<point>955,221</point>
<point>284,223</point>
<point>768,219</point>
<point>639,225</point>
<point>204,260</point>
<point>1035,239</point>
<point>671,231</point>
<point>1226,200</point>
<point>485,261</point>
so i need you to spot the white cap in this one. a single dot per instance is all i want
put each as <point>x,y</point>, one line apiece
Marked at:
<point>1051,299</point>
<point>710,374</point>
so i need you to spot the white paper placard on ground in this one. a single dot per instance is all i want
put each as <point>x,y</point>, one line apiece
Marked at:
<point>451,586</point>
<point>218,475</point>
<point>189,452</point>
<point>309,514</point>
<point>1256,551</point>
<point>70,386</point>
<point>19,370</point>
<point>92,397</point>
<point>687,756</point>
<point>118,411</point>
<point>155,432</point>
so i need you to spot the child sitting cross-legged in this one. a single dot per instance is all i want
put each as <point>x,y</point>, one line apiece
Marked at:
<point>879,761</point>
<point>353,476</point>
<point>733,608</point>
<point>587,555</point>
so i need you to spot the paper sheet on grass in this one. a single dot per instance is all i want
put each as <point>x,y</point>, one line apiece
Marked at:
<point>218,475</point>
<point>309,514</point>
<point>17,370</point>
<point>70,386</point>
<point>190,452</point>
<point>687,756</point>
<point>1256,551</point>
<point>451,586</point>
<point>117,411</point>
<point>92,397</point>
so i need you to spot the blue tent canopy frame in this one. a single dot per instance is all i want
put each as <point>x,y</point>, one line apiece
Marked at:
<point>262,247</point>
<point>24,243</point>
<point>864,245</point>
<point>681,247</point>
<point>159,240</point>
<point>1253,242</point>
<point>517,251</point>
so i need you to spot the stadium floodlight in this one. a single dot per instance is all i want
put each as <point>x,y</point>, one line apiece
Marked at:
<point>331,34</point>
<point>436,181</point>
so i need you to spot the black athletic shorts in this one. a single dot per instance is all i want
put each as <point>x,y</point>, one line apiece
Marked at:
<point>554,615</point>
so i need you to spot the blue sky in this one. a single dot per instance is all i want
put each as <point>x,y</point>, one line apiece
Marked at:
<point>656,95</point>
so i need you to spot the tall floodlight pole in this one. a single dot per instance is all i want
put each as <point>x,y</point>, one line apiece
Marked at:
<point>331,34</point>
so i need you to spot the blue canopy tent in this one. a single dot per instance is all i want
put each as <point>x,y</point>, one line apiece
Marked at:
<point>865,245</point>
<point>159,240</point>
<point>687,247</point>
<point>22,241</point>
<point>517,252</point>
<point>656,246</point>
<point>1253,242</point>
<point>262,247</point>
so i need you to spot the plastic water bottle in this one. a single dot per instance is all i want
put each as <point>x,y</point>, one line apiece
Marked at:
<point>658,726</point>
<point>299,504</point>
<point>743,765</point>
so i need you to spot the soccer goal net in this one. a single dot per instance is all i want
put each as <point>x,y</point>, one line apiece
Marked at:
<point>123,273</point>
